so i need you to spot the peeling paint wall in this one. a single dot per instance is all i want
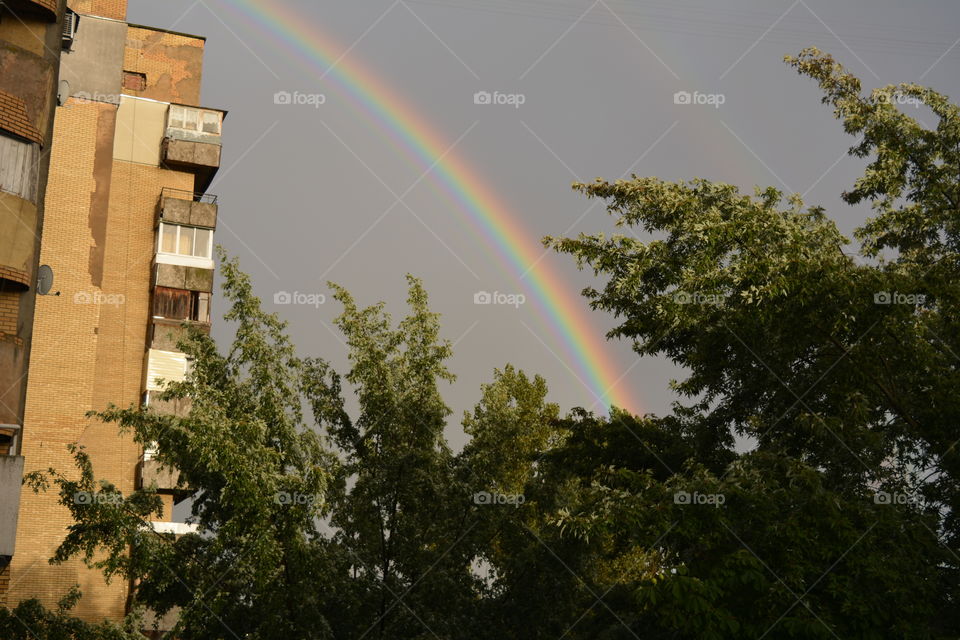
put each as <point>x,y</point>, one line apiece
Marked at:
<point>173,64</point>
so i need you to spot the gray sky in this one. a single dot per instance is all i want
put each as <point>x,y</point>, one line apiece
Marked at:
<point>300,189</point>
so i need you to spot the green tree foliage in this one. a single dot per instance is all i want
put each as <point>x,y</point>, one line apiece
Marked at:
<point>842,521</point>
<point>30,620</point>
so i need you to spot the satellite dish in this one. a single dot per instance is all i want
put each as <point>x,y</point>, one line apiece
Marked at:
<point>44,279</point>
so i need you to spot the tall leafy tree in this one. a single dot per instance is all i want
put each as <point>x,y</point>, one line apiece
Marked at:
<point>259,478</point>
<point>841,522</point>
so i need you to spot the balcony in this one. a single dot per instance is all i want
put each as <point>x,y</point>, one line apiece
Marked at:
<point>178,276</point>
<point>150,473</point>
<point>166,333</point>
<point>187,208</point>
<point>164,478</point>
<point>11,479</point>
<point>192,141</point>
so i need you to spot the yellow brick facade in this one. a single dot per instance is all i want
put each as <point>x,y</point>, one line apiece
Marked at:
<point>89,342</point>
<point>114,9</point>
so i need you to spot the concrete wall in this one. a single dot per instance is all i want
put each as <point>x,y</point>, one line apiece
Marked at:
<point>195,214</point>
<point>90,67</point>
<point>11,474</point>
<point>191,154</point>
<point>178,276</point>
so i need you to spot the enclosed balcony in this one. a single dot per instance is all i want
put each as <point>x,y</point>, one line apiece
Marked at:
<point>192,141</point>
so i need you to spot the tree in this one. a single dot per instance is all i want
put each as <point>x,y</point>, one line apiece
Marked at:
<point>258,475</point>
<point>30,620</point>
<point>321,527</point>
<point>842,521</point>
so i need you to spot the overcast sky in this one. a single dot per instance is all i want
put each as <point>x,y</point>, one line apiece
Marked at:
<point>303,189</point>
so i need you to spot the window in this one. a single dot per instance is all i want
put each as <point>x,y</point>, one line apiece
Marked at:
<point>134,81</point>
<point>195,120</point>
<point>179,304</point>
<point>178,240</point>
<point>19,168</point>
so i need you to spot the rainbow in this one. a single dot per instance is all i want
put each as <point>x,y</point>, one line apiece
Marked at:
<point>566,314</point>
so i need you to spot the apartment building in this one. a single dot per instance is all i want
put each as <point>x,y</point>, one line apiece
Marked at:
<point>30,45</point>
<point>128,235</point>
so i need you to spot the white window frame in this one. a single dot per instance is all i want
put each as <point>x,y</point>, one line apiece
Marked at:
<point>200,113</point>
<point>180,228</point>
<point>165,257</point>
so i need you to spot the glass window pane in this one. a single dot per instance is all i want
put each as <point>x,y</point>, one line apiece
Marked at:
<point>176,117</point>
<point>201,248</point>
<point>211,122</point>
<point>191,119</point>
<point>168,238</point>
<point>203,307</point>
<point>185,247</point>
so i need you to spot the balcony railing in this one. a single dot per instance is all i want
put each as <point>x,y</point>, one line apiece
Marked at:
<point>183,194</point>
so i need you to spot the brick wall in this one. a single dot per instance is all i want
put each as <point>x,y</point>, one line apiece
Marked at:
<point>116,9</point>
<point>172,63</point>
<point>9,312</point>
<point>4,585</point>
